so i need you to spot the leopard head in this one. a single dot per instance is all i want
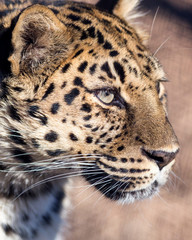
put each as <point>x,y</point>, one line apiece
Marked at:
<point>84,95</point>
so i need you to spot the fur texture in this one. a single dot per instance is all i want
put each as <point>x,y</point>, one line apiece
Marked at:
<point>81,94</point>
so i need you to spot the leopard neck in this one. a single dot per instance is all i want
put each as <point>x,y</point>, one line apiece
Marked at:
<point>36,218</point>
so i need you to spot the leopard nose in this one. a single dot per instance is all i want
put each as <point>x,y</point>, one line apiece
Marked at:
<point>162,158</point>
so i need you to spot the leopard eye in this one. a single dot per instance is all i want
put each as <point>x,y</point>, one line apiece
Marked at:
<point>105,95</point>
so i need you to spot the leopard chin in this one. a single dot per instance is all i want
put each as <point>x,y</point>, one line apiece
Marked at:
<point>117,190</point>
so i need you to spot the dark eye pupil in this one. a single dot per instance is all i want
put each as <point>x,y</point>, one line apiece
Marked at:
<point>107,93</point>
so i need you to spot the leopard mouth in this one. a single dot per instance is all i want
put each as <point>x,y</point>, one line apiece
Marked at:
<point>117,190</point>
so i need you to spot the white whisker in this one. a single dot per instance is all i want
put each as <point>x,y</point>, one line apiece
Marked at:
<point>162,44</point>
<point>153,23</point>
<point>57,177</point>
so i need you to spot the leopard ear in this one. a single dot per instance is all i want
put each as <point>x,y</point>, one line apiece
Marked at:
<point>122,8</point>
<point>37,35</point>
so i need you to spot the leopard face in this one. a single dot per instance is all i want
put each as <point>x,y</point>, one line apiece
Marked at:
<point>84,93</point>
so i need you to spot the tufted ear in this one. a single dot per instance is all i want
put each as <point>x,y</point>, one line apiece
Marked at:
<point>37,36</point>
<point>121,8</point>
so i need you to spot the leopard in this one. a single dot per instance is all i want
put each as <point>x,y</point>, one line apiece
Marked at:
<point>81,95</point>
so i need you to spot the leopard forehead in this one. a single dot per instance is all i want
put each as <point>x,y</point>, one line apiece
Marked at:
<point>107,36</point>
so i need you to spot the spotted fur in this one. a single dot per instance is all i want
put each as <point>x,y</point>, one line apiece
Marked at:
<point>81,94</point>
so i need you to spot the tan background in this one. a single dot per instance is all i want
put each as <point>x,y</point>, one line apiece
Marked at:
<point>169,215</point>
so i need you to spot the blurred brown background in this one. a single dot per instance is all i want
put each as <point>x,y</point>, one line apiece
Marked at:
<point>169,215</point>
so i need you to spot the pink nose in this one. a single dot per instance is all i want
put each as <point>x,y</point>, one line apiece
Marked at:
<point>162,158</point>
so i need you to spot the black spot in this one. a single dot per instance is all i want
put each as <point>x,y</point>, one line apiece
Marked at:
<point>117,127</point>
<point>36,88</point>
<point>107,6</point>
<point>107,45</point>
<point>148,69</point>
<point>83,35</point>
<point>73,17</point>
<point>89,139</point>
<point>66,67</point>
<point>106,22</point>
<point>35,143</point>
<point>54,153</point>
<point>139,160</point>
<point>78,81</point>
<point>49,91</point>
<point>63,85</point>
<point>95,129</point>
<point>7,229</point>
<point>120,148</point>
<point>124,126</point>
<point>86,21</point>
<point>118,135</point>
<point>111,128</point>
<point>91,32</point>
<point>113,53</point>
<point>109,140</point>
<point>127,31</point>
<point>105,67</point>
<point>46,219</point>
<point>64,120</point>
<point>55,108</point>
<point>34,112</point>
<point>132,160</point>
<point>21,155</point>
<point>71,25</point>
<point>123,170</point>
<point>16,137</point>
<point>124,160</point>
<point>55,11</point>
<point>57,205</point>
<point>120,71</point>
<point>110,158</point>
<point>100,37</point>
<point>102,146</point>
<point>83,66</point>
<point>92,69</point>
<point>103,135</point>
<point>51,136</point>
<point>45,80</point>
<point>13,113</point>
<point>125,60</point>
<point>139,48</point>
<point>137,138</point>
<point>118,29</point>
<point>74,9</point>
<point>18,89</point>
<point>88,126</point>
<point>73,137</point>
<point>97,141</point>
<point>140,55</point>
<point>87,118</point>
<point>91,51</point>
<point>78,53</point>
<point>131,53</point>
<point>86,108</point>
<point>69,98</point>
